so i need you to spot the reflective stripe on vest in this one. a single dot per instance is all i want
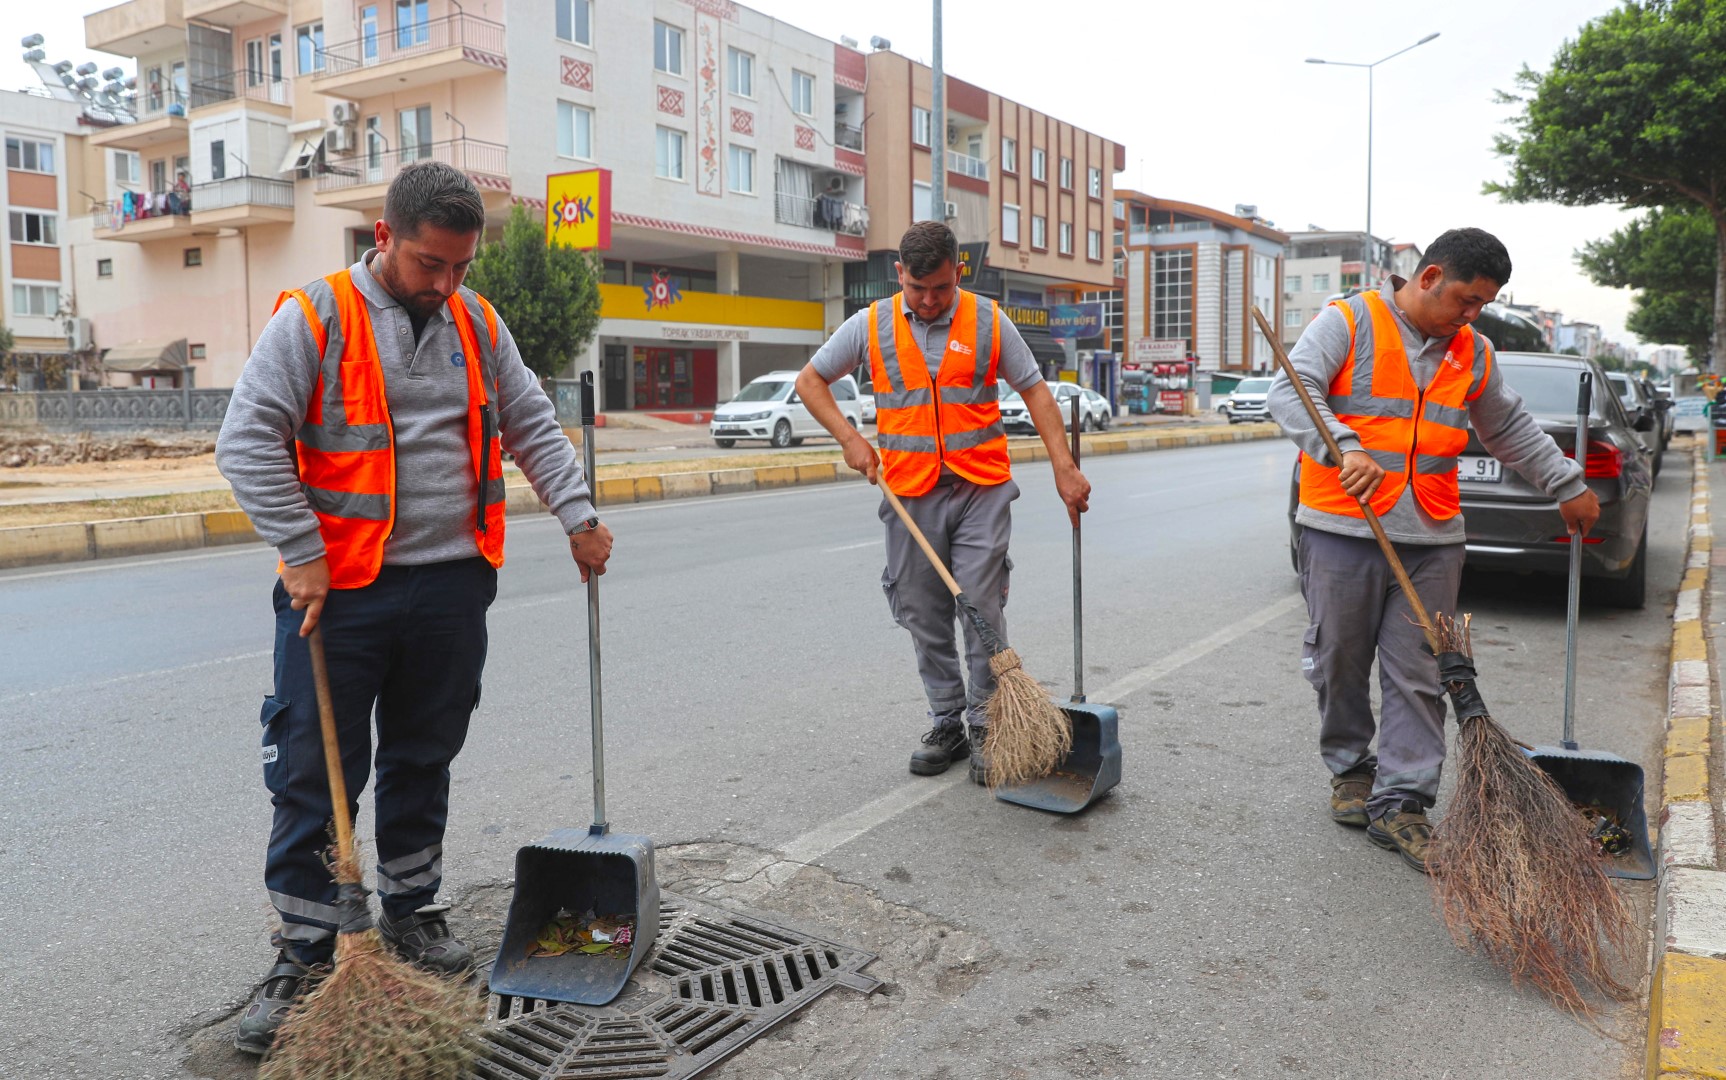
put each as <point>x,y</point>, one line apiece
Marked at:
<point>345,446</point>
<point>1414,433</point>
<point>920,429</point>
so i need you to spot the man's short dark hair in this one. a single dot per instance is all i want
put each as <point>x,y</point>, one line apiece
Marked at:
<point>432,193</point>
<point>926,246</point>
<point>1466,254</point>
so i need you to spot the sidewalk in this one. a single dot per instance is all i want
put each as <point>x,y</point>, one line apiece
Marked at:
<point>1687,1002</point>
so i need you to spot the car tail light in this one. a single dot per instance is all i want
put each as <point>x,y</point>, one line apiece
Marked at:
<point>1605,460</point>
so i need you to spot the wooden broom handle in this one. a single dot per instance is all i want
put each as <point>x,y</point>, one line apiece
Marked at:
<point>1420,615</point>
<point>922,541</point>
<point>332,749</point>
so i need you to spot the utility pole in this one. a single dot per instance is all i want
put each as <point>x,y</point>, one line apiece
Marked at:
<point>938,132</point>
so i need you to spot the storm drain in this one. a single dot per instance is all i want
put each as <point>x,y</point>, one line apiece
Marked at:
<point>713,982</point>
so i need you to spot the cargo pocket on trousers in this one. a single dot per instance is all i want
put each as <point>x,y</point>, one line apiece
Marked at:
<point>1006,578</point>
<point>890,588</point>
<point>1309,657</point>
<point>274,718</point>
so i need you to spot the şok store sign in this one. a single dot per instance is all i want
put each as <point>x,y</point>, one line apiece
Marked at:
<point>578,209</point>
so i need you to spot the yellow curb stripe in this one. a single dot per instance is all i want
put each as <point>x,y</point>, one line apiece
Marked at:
<point>1687,735</point>
<point>1686,779</point>
<point>1687,1019</point>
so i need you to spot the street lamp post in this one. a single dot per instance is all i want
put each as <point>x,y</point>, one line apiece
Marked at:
<point>1366,242</point>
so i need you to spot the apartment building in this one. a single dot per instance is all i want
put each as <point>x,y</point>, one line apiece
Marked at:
<point>1320,265</point>
<point>1194,274</point>
<point>269,130</point>
<point>44,170</point>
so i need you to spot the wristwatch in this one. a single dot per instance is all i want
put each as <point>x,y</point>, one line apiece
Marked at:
<point>585,526</point>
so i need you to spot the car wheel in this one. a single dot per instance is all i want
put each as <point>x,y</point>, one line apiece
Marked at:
<point>1084,421</point>
<point>1103,422</point>
<point>1232,418</point>
<point>1659,459</point>
<point>782,434</point>
<point>852,422</point>
<point>1631,590</point>
<point>796,442</point>
<point>725,444</point>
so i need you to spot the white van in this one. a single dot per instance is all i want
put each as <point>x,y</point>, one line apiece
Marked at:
<point>769,408</point>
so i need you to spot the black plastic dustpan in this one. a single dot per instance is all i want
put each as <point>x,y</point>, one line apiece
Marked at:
<point>579,870</point>
<point>1607,787</point>
<point>1093,765</point>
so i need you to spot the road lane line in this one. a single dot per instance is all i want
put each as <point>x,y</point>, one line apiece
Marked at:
<point>1135,681</point>
<point>853,547</point>
<point>136,675</point>
<point>247,549</point>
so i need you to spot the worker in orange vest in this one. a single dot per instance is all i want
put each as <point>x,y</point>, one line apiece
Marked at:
<point>1400,375</point>
<point>936,355</point>
<point>364,440</point>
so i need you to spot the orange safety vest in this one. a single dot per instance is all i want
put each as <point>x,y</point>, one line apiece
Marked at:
<point>1411,431</point>
<point>346,445</point>
<point>917,429</point>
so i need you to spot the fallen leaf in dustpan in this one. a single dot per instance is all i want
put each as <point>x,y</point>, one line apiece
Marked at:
<point>585,933</point>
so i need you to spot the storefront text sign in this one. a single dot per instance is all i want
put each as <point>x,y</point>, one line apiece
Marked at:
<point>1073,321</point>
<point>578,209</point>
<point>703,333</point>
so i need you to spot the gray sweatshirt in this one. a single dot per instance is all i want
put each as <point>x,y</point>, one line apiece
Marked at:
<point>1504,427</point>
<point>426,390</point>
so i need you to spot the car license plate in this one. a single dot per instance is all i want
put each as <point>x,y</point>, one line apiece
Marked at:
<point>1479,469</point>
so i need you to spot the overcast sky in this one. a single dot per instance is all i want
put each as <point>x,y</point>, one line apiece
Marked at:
<point>1216,105</point>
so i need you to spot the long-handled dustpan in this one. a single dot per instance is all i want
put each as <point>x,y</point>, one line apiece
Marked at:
<point>1093,766</point>
<point>1605,786</point>
<point>575,875</point>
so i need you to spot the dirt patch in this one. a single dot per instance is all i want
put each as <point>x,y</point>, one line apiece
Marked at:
<point>22,449</point>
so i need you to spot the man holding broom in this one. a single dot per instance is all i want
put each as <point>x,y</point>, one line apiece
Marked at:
<point>364,441</point>
<point>935,353</point>
<point>1399,376</point>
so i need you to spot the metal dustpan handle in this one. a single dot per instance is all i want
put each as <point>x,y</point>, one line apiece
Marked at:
<point>1078,584</point>
<point>600,826</point>
<point>1573,601</point>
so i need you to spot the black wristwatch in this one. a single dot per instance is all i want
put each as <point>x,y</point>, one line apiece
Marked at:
<point>586,526</point>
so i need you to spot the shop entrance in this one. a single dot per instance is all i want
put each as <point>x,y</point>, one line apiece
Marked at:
<point>675,378</point>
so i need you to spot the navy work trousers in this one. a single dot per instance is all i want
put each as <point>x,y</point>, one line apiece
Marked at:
<point>408,648</point>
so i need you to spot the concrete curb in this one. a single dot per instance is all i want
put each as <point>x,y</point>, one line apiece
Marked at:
<point>33,545</point>
<point>1687,1002</point>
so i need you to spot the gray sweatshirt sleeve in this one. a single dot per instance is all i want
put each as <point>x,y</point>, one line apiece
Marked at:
<point>527,423</point>
<point>255,449</point>
<point>845,351</point>
<point>1317,357</point>
<point>1511,435</point>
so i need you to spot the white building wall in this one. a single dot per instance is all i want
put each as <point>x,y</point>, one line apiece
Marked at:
<point>40,119</point>
<point>1207,293</point>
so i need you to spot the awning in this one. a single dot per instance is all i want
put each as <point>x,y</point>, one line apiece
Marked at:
<point>142,357</point>
<point>302,148</point>
<point>1045,348</point>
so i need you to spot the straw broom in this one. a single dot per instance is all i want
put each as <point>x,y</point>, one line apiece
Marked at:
<point>1513,869</point>
<point>375,1016</point>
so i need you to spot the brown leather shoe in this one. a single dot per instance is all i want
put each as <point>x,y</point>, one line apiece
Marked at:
<point>1404,830</point>
<point>1348,795</point>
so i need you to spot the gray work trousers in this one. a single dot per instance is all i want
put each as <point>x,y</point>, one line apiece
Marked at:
<point>969,526</point>
<point>1356,609</point>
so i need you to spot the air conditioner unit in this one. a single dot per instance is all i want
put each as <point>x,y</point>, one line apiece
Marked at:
<point>347,112</point>
<point>952,134</point>
<point>340,140</point>
<point>835,185</point>
<point>78,335</point>
<point>952,210</point>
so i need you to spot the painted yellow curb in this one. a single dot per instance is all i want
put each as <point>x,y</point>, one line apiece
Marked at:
<point>228,527</point>
<point>1686,779</point>
<point>1687,1019</point>
<point>1687,643</point>
<point>1688,735</point>
<point>32,545</point>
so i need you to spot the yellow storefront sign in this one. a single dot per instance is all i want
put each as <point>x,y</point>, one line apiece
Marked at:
<point>662,300</point>
<point>578,209</point>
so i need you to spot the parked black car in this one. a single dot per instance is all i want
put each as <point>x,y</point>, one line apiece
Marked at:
<point>1642,407</point>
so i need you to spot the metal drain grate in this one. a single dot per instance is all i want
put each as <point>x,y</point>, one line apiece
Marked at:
<point>713,982</point>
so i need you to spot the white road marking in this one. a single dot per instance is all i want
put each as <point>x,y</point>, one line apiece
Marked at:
<point>104,564</point>
<point>853,547</point>
<point>136,675</point>
<point>1135,681</point>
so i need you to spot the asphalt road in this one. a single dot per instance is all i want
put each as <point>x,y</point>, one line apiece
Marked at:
<point>1207,920</point>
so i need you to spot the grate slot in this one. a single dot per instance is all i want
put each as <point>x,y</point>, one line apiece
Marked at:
<point>754,986</point>
<point>771,970</point>
<point>713,1033</point>
<point>791,972</point>
<point>814,965</point>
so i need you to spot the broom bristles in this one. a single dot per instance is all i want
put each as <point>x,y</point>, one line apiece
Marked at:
<point>1028,734</point>
<point>1515,873</point>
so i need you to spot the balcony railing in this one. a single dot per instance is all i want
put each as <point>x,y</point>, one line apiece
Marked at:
<point>468,155</point>
<point>243,85</point>
<point>116,214</point>
<point>244,191</point>
<point>414,39</point>
<point>851,138</point>
<point>163,103</point>
<point>826,212</point>
<point>966,165</point>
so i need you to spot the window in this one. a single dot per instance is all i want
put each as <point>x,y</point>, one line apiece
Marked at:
<point>1040,232</point>
<point>1321,283</point>
<point>40,300</point>
<point>104,268</point>
<point>922,196</point>
<point>741,162</point>
<point>159,175</point>
<point>668,154</point>
<point>740,72</point>
<point>1094,182</point>
<point>921,121</point>
<point>197,351</point>
<point>575,21</point>
<point>309,47</point>
<point>218,159</point>
<point>1009,154</point>
<point>193,257</point>
<point>413,23</point>
<point>1120,210</point>
<point>667,48</point>
<point>1009,224</point>
<point>30,155</point>
<point>1172,295</point>
<point>414,128</point>
<point>1113,319</point>
<point>1291,283</point>
<point>1039,164</point>
<point>802,93</point>
<point>1291,316</point>
<point>369,34</point>
<point>30,227</point>
<point>1066,235</point>
<point>127,168</point>
<point>1094,245</point>
<point>574,131</point>
<point>1067,173</point>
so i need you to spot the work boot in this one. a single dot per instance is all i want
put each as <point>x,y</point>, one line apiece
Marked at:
<point>1348,795</point>
<point>423,939</point>
<point>979,760</point>
<point>1402,828</point>
<point>944,744</point>
<point>284,985</point>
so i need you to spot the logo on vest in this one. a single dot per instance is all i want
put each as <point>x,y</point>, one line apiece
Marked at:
<point>457,360</point>
<point>1455,364</point>
<point>960,347</point>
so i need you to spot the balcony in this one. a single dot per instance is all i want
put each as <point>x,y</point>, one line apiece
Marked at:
<point>111,221</point>
<point>136,27</point>
<point>231,13</point>
<point>966,165</point>
<point>161,123</point>
<point>239,201</point>
<point>273,93</point>
<point>412,55</point>
<point>359,182</point>
<point>828,213</point>
<point>851,138</point>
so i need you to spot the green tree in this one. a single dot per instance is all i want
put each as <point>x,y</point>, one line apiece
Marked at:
<point>547,294</point>
<point>1632,111</point>
<point>1670,256</point>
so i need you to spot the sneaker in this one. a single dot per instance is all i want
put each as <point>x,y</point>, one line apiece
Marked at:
<point>1348,795</point>
<point>1402,828</point>
<point>944,744</point>
<point>423,938</point>
<point>979,760</point>
<point>285,984</point>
